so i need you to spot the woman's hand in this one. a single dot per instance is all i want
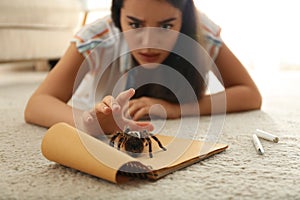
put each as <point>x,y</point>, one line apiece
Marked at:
<point>146,106</point>
<point>108,116</point>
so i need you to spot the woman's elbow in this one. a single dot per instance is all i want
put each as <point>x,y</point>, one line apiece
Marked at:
<point>256,100</point>
<point>28,116</point>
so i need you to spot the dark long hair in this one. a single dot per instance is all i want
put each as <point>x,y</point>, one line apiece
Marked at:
<point>190,27</point>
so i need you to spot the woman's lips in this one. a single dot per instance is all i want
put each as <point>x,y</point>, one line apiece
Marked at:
<point>149,57</point>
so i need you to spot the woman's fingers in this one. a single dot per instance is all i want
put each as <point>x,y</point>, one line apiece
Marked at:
<point>140,113</point>
<point>110,113</point>
<point>90,124</point>
<point>145,107</point>
<point>124,97</point>
<point>87,117</point>
<point>108,105</point>
<point>134,107</point>
<point>103,108</point>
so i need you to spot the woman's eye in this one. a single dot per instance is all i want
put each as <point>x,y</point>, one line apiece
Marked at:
<point>135,25</point>
<point>167,26</point>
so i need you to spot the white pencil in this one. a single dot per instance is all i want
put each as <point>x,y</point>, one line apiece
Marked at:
<point>267,136</point>
<point>258,145</point>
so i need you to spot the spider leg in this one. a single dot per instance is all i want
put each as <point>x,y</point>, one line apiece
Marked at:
<point>158,142</point>
<point>120,142</point>
<point>113,138</point>
<point>150,146</point>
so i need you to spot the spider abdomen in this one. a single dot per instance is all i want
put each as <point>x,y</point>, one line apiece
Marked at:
<point>134,145</point>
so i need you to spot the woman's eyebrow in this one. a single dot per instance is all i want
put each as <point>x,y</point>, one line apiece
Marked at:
<point>160,22</point>
<point>134,19</point>
<point>167,20</point>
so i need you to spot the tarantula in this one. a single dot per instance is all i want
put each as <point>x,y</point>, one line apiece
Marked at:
<point>134,141</point>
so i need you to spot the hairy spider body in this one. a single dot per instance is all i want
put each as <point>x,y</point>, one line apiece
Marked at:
<point>134,145</point>
<point>135,141</point>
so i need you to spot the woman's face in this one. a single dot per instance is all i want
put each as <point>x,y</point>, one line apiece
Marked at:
<point>151,28</point>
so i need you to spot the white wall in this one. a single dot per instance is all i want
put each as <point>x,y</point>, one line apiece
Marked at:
<point>264,34</point>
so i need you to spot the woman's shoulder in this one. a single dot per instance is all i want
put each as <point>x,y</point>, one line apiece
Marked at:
<point>94,34</point>
<point>208,26</point>
<point>212,34</point>
<point>99,28</point>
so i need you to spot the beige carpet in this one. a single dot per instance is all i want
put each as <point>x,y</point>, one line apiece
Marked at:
<point>237,173</point>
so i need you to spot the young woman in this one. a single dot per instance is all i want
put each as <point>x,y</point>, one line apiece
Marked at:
<point>93,95</point>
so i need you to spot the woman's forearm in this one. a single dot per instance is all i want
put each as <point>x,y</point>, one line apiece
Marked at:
<point>45,110</point>
<point>242,98</point>
<point>235,99</point>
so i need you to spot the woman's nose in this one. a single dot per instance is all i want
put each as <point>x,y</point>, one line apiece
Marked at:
<point>150,37</point>
<point>146,37</point>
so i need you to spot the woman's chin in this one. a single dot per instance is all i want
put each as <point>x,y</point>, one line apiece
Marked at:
<point>149,65</point>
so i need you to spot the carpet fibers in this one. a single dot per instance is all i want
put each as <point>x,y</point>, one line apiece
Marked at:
<point>237,173</point>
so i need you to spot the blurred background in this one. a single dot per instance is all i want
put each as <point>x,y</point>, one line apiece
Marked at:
<point>263,34</point>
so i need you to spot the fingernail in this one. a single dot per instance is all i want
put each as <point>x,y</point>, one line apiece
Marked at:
<point>115,106</point>
<point>132,90</point>
<point>89,119</point>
